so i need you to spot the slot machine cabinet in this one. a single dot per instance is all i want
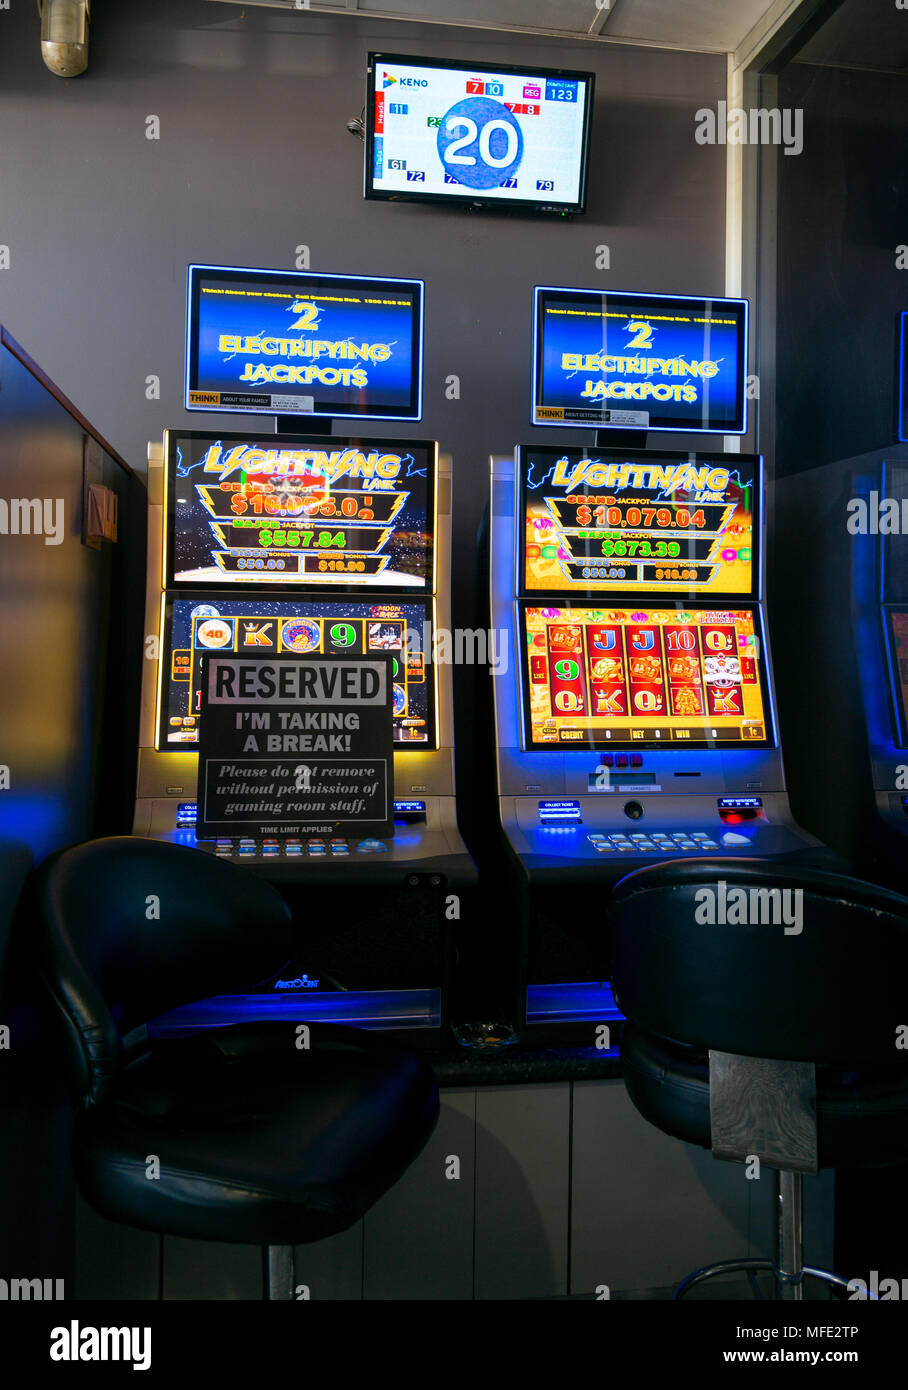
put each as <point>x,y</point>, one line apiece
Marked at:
<point>847,628</point>
<point>576,819</point>
<point>839,600</point>
<point>376,917</point>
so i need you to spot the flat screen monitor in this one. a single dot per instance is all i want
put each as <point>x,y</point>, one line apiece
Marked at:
<point>493,136</point>
<point>280,342</point>
<point>604,359</point>
<point>267,626</point>
<point>594,520</point>
<point>287,510</point>
<point>896,622</point>
<point>647,677</point>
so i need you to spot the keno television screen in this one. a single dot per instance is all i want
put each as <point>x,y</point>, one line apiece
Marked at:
<point>600,677</point>
<point>639,520</point>
<point>639,361</point>
<point>265,625</point>
<point>449,131</point>
<point>274,342</point>
<point>282,510</point>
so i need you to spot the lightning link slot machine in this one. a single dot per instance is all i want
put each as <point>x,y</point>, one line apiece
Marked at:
<point>637,722</point>
<point>268,543</point>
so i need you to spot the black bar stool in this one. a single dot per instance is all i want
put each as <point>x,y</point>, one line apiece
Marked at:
<point>266,1133</point>
<point>764,1003</point>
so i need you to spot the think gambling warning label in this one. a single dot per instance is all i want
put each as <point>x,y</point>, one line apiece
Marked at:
<point>292,745</point>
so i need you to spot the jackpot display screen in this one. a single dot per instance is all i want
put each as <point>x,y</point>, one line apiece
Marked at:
<point>286,510</point>
<point>634,520</point>
<point>639,361</point>
<point>628,677</point>
<point>264,627</point>
<point>449,131</point>
<point>896,620</point>
<point>278,342</point>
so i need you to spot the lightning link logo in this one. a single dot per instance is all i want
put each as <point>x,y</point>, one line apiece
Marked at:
<point>661,478</point>
<point>381,469</point>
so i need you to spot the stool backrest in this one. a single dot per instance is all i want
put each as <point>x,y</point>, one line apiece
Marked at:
<point>763,959</point>
<point>130,928</point>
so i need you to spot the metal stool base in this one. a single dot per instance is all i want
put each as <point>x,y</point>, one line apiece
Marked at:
<point>788,1287</point>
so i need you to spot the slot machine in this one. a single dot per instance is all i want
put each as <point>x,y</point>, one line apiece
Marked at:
<point>637,722</point>
<point>272,543</point>
<point>843,549</point>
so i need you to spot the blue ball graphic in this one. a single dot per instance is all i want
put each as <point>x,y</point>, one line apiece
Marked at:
<point>484,132</point>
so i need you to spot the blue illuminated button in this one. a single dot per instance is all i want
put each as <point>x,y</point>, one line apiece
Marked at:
<point>247,849</point>
<point>670,847</point>
<point>639,836</point>
<point>371,847</point>
<point>596,835</point>
<point>699,835</point>
<point>688,844</point>
<point>659,835</point>
<point>292,849</point>
<point>646,844</point>
<point>317,849</point>
<point>709,844</point>
<point>271,849</point>
<point>339,849</point>
<point>680,835</point>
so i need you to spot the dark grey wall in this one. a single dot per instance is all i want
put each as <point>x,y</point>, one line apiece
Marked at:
<point>254,159</point>
<point>843,211</point>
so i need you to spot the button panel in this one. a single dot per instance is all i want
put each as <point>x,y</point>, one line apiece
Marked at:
<point>314,847</point>
<point>656,841</point>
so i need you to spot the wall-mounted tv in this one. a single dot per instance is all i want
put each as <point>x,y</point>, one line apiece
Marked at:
<point>279,342</point>
<point>453,132</point>
<point>638,521</point>
<point>609,359</point>
<point>287,510</point>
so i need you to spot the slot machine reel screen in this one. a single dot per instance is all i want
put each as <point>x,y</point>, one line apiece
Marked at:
<point>193,625</point>
<point>639,361</point>
<point>638,521</point>
<point>280,510</point>
<point>273,342</point>
<point>449,132</point>
<point>624,677</point>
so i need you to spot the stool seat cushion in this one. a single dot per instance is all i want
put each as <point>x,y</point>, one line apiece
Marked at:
<point>257,1139</point>
<point>862,1116</point>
